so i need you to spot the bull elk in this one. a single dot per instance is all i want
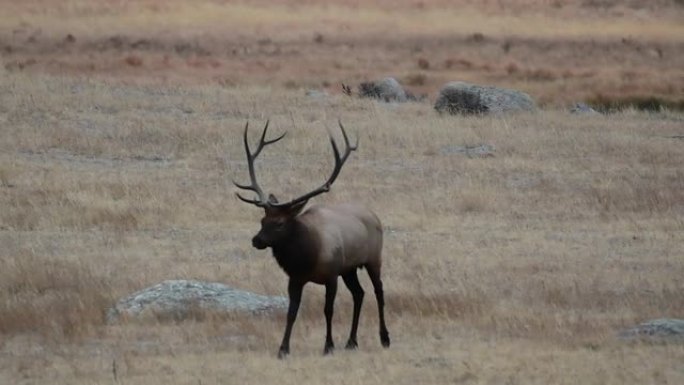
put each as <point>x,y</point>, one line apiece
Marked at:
<point>319,244</point>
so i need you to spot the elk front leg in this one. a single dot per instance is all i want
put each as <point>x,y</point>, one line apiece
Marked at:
<point>294,291</point>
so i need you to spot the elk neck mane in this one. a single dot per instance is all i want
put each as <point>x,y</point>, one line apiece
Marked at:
<point>298,254</point>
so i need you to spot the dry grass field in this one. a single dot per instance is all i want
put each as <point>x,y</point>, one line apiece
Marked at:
<point>559,51</point>
<point>116,161</point>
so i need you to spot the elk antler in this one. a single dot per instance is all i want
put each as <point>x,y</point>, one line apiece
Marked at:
<point>339,162</point>
<point>262,201</point>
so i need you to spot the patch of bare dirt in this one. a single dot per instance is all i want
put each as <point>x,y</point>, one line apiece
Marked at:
<point>555,71</point>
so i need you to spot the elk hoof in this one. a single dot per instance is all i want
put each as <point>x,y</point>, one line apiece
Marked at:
<point>351,345</point>
<point>328,350</point>
<point>385,340</point>
<point>282,353</point>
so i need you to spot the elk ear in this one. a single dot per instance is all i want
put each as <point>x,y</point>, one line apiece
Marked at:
<point>272,198</point>
<point>296,208</point>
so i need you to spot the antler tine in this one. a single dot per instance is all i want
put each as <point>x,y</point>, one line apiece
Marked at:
<point>252,201</point>
<point>346,140</point>
<point>263,142</point>
<point>339,162</point>
<point>251,157</point>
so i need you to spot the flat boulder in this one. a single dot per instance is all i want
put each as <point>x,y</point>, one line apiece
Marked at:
<point>663,329</point>
<point>183,299</point>
<point>476,151</point>
<point>461,98</point>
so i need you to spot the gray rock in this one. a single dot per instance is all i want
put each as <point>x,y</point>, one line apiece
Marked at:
<point>316,94</point>
<point>465,98</point>
<point>583,109</point>
<point>664,329</point>
<point>182,299</point>
<point>386,90</point>
<point>481,150</point>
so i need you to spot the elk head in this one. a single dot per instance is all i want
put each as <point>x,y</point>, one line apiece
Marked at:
<point>277,225</point>
<point>278,221</point>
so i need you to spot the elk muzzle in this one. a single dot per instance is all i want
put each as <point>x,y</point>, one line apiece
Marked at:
<point>258,242</point>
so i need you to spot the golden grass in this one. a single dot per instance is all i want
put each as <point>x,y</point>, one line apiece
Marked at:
<point>515,268</point>
<point>88,17</point>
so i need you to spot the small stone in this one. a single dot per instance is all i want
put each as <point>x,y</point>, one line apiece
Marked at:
<point>316,94</point>
<point>583,109</point>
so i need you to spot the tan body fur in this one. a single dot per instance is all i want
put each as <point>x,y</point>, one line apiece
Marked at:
<point>350,237</point>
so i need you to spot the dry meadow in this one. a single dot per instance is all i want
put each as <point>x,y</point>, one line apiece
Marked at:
<point>516,268</point>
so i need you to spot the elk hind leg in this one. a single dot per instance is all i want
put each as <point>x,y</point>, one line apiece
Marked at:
<point>374,274</point>
<point>351,279</point>
<point>330,292</point>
